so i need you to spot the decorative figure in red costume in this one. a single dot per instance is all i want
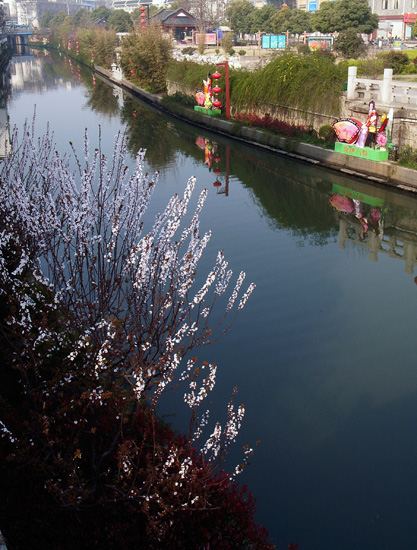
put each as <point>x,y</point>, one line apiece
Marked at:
<point>371,125</point>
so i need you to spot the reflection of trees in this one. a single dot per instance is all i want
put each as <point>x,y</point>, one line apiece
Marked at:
<point>149,130</point>
<point>56,67</point>
<point>102,99</point>
<point>294,196</point>
<point>290,194</point>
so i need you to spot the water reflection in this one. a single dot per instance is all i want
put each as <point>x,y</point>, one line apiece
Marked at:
<point>145,130</point>
<point>102,98</point>
<point>5,90</point>
<point>376,226</point>
<point>213,160</point>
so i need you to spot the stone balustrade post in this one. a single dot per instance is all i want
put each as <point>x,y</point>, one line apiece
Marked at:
<point>116,72</point>
<point>351,85</point>
<point>386,90</point>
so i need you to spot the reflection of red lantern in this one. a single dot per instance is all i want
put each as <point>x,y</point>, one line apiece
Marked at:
<point>217,159</point>
<point>216,104</point>
<point>216,75</point>
<point>216,183</point>
<point>132,72</point>
<point>217,171</point>
<point>143,27</point>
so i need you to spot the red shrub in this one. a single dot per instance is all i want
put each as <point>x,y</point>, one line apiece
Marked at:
<point>273,124</point>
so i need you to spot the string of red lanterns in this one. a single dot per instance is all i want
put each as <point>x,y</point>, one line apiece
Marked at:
<point>143,16</point>
<point>216,90</point>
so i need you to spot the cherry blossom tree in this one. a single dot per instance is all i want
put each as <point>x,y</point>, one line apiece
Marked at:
<point>99,318</point>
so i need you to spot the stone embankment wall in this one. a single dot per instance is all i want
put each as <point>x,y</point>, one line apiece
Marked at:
<point>387,93</point>
<point>290,115</point>
<point>385,173</point>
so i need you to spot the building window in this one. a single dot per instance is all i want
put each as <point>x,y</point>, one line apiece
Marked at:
<point>384,4</point>
<point>413,4</point>
<point>395,4</point>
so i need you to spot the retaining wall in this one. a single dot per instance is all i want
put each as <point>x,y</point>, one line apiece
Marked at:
<point>385,173</point>
<point>387,93</point>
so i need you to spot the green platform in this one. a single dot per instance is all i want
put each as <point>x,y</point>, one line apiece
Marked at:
<point>210,112</point>
<point>361,152</point>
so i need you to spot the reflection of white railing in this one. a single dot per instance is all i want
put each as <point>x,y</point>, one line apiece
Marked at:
<point>394,246</point>
<point>385,92</point>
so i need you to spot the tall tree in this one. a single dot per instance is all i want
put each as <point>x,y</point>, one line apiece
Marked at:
<point>101,13</point>
<point>57,19</point>
<point>146,55</point>
<point>46,19</point>
<point>300,21</point>
<point>261,19</point>
<point>280,20</point>
<point>342,15</point>
<point>240,15</point>
<point>82,18</point>
<point>120,21</point>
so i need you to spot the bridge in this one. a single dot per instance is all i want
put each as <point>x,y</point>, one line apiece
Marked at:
<point>16,35</point>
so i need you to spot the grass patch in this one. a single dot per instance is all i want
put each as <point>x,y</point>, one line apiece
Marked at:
<point>407,156</point>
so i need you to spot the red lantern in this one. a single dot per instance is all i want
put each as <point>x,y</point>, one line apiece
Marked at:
<point>216,75</point>
<point>142,8</point>
<point>143,28</point>
<point>217,159</point>
<point>216,104</point>
<point>216,89</point>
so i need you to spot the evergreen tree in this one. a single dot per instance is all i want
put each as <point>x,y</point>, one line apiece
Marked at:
<point>120,21</point>
<point>240,15</point>
<point>342,15</point>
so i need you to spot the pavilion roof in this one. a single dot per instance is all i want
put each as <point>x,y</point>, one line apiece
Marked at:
<point>175,18</point>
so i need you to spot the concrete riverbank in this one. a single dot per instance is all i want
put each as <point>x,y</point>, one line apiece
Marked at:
<point>382,173</point>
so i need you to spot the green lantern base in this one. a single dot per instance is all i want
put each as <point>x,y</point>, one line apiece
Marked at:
<point>210,112</point>
<point>362,152</point>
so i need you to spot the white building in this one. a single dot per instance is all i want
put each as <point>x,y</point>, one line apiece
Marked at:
<point>29,12</point>
<point>131,5</point>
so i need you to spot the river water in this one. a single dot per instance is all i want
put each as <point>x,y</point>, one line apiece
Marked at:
<point>324,354</point>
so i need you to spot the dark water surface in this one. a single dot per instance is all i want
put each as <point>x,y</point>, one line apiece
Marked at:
<point>324,354</point>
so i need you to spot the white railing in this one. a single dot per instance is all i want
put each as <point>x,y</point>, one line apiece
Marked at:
<point>385,92</point>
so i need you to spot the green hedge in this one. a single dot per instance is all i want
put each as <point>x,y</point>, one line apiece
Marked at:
<point>310,83</point>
